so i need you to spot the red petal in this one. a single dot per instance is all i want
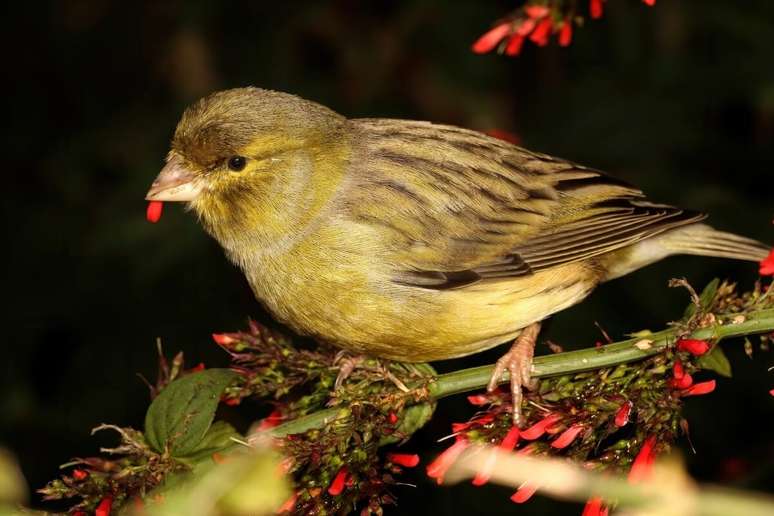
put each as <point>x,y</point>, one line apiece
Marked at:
<point>682,383</point>
<point>541,33</point>
<point>79,474</point>
<point>539,428</point>
<point>438,468</point>
<point>593,507</point>
<point>767,265</point>
<point>153,212</point>
<point>595,8</point>
<point>392,418</point>
<point>622,416</point>
<point>526,27</point>
<point>337,486</point>
<point>511,439</point>
<point>771,392</point>
<point>222,339</point>
<point>289,504</point>
<point>270,421</point>
<point>699,389</point>
<point>643,462</point>
<point>567,437</point>
<point>536,11</point>
<point>693,346</point>
<point>404,459</point>
<point>565,33</point>
<point>677,370</point>
<point>103,509</point>
<point>651,3</point>
<point>524,492</point>
<point>490,39</point>
<point>479,399</point>
<point>514,45</point>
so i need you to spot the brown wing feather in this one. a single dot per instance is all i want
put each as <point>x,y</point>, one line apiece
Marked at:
<point>464,207</point>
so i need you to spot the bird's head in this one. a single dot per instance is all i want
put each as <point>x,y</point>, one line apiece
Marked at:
<point>241,158</point>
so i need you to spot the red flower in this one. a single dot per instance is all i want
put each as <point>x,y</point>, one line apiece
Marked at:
<point>490,39</point>
<point>222,339</point>
<point>79,474</point>
<point>524,492</point>
<point>651,3</point>
<point>481,399</point>
<point>681,383</point>
<point>595,9</point>
<point>567,437</point>
<point>514,45</point>
<point>270,421</point>
<point>594,507</point>
<point>526,27</point>
<point>771,392</point>
<point>339,481</point>
<point>565,33</point>
<point>438,468</point>
<point>403,459</point>
<point>536,11</point>
<point>197,368</point>
<point>289,504</point>
<point>699,389</point>
<point>511,439</point>
<point>622,416</point>
<point>767,265</point>
<point>541,33</point>
<point>539,428</point>
<point>677,369</point>
<point>644,461</point>
<point>693,346</point>
<point>103,509</point>
<point>153,212</point>
<point>392,418</point>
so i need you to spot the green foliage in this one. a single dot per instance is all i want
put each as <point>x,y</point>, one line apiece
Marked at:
<point>716,361</point>
<point>181,414</point>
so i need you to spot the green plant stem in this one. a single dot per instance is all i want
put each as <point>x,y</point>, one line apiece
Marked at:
<point>761,321</point>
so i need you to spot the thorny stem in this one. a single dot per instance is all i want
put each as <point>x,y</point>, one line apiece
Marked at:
<point>761,321</point>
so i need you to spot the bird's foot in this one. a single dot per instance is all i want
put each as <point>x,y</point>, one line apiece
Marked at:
<point>518,362</point>
<point>347,365</point>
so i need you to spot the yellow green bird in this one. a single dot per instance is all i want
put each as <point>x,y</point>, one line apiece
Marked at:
<point>411,240</point>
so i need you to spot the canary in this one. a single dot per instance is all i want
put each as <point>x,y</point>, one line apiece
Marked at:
<point>411,240</point>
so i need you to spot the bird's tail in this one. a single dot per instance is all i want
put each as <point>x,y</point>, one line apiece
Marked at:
<point>703,240</point>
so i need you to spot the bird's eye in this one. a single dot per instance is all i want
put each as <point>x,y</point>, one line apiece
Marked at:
<point>237,163</point>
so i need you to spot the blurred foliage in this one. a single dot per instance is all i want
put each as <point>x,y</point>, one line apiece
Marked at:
<point>678,98</point>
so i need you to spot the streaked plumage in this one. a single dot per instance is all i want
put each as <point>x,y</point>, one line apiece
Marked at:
<point>410,240</point>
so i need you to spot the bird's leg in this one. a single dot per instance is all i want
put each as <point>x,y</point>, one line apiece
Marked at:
<point>518,362</point>
<point>346,364</point>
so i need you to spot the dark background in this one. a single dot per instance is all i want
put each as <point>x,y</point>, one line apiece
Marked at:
<point>678,99</point>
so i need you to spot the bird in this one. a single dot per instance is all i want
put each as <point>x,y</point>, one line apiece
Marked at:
<point>411,240</point>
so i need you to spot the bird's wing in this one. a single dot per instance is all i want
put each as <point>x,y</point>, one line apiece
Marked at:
<point>459,206</point>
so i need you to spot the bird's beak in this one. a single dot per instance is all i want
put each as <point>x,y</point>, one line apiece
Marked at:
<point>175,182</point>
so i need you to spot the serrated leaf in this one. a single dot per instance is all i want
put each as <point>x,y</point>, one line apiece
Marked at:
<point>180,416</point>
<point>705,298</point>
<point>717,361</point>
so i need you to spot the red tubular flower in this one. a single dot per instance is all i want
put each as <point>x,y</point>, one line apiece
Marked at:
<point>593,507</point>
<point>767,265</point>
<point>404,459</point>
<point>339,481</point>
<point>541,33</point>
<point>693,346</point>
<point>490,39</point>
<point>438,468</point>
<point>699,389</point>
<point>524,492</point>
<point>677,370</point>
<point>289,504</point>
<point>565,33</point>
<point>536,11</point>
<point>650,3</point>
<point>771,392</point>
<point>622,416</point>
<point>644,461</point>
<point>270,421</point>
<point>103,509</point>
<point>514,45</point>
<point>479,399</point>
<point>526,27</point>
<point>222,339</point>
<point>567,437</point>
<point>197,368</point>
<point>511,439</point>
<point>595,9</point>
<point>539,428</point>
<point>80,474</point>
<point>681,383</point>
<point>392,418</point>
<point>153,212</point>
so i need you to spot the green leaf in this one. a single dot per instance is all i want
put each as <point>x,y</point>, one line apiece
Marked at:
<point>715,360</point>
<point>217,439</point>
<point>705,298</point>
<point>180,416</point>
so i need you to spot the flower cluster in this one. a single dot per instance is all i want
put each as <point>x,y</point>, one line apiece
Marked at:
<point>537,21</point>
<point>614,419</point>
